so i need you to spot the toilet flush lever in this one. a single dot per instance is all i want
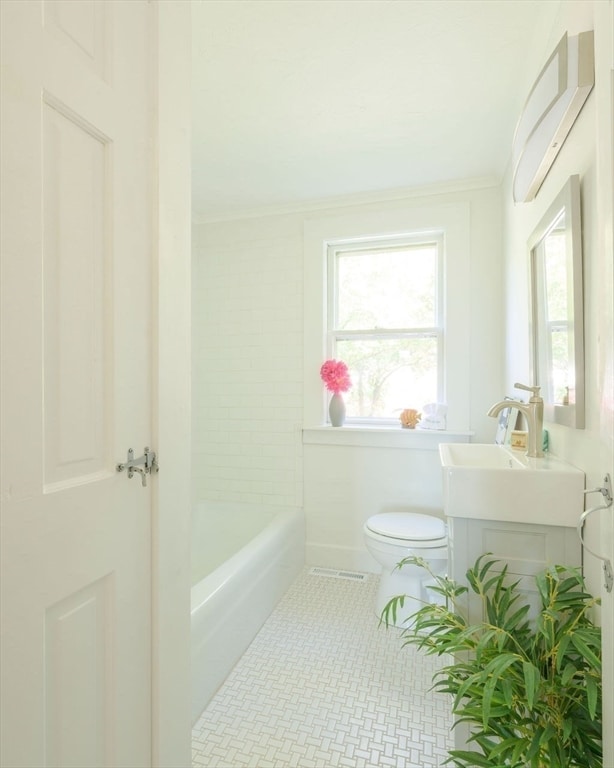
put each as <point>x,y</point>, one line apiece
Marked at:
<point>145,465</point>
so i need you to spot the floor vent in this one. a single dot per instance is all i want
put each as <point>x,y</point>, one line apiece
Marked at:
<point>332,574</point>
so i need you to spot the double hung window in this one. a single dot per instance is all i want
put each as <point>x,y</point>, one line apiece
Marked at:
<point>386,322</point>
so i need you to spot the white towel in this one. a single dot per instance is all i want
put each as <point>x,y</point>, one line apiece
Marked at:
<point>434,416</point>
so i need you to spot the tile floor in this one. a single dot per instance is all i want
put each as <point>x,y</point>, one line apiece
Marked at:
<point>322,685</point>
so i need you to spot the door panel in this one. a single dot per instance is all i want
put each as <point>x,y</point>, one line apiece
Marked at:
<point>76,292</point>
<point>77,328</point>
<point>78,671</point>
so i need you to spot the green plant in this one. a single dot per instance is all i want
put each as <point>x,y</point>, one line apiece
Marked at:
<point>530,687</point>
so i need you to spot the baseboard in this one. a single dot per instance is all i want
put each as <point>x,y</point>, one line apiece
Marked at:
<point>345,558</point>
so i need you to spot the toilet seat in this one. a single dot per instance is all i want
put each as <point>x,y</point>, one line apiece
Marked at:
<point>408,526</point>
<point>404,544</point>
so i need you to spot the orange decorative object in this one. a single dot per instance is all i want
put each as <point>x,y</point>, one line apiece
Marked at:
<point>409,418</point>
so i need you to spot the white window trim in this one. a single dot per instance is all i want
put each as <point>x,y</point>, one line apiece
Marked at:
<point>451,218</point>
<point>407,240</point>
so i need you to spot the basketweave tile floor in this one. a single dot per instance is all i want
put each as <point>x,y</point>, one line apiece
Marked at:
<point>323,685</point>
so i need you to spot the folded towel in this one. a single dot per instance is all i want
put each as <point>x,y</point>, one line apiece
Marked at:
<point>434,416</point>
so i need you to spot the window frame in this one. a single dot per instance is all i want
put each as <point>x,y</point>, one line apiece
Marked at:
<point>437,331</point>
<point>392,219</point>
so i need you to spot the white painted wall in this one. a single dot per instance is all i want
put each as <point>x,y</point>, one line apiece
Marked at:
<point>588,152</point>
<point>248,403</point>
<point>248,356</point>
<point>248,297</point>
<point>590,448</point>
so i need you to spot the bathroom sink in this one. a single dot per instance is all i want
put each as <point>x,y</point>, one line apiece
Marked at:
<point>492,482</point>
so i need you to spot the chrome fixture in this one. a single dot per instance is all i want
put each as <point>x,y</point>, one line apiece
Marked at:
<point>533,412</point>
<point>145,465</point>
<point>606,492</point>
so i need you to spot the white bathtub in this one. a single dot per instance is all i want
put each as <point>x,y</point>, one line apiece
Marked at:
<point>244,558</point>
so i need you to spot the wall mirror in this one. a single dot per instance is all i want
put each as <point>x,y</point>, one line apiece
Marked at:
<point>557,319</point>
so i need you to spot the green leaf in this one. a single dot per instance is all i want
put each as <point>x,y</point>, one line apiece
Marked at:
<point>569,583</point>
<point>508,691</point>
<point>543,588</point>
<point>483,569</point>
<point>532,680</point>
<point>516,618</point>
<point>504,746</point>
<point>568,726</point>
<point>568,674</point>
<point>470,759</point>
<point>587,653</point>
<point>492,673</point>
<point>561,651</point>
<point>533,750</point>
<point>548,732</point>
<point>592,694</point>
<point>494,580</point>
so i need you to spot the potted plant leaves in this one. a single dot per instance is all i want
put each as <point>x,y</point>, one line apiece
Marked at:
<point>529,686</point>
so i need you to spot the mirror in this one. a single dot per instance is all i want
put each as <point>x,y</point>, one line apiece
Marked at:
<point>557,327</point>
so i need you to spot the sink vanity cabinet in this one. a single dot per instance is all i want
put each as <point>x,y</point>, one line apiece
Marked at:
<point>525,548</point>
<point>522,510</point>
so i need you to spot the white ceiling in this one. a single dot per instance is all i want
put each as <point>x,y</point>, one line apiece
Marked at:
<point>299,100</point>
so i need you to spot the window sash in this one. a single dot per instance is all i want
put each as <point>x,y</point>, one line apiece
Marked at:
<point>335,334</point>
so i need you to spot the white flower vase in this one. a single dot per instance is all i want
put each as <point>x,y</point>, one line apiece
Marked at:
<point>336,410</point>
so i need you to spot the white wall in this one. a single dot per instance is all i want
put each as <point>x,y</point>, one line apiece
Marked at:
<point>248,336</point>
<point>588,152</point>
<point>248,377</point>
<point>589,448</point>
<point>248,344</point>
<point>248,360</point>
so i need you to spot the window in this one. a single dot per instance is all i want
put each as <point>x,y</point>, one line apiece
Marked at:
<point>431,298</point>
<point>385,320</point>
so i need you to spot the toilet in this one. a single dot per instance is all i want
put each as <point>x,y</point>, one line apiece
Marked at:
<point>392,536</point>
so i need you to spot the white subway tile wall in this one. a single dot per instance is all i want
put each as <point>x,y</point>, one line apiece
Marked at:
<point>248,362</point>
<point>250,290</point>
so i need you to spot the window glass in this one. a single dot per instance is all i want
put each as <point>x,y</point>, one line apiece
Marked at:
<point>387,288</point>
<point>385,323</point>
<point>389,375</point>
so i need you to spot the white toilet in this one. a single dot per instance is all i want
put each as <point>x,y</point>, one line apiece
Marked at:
<point>392,536</point>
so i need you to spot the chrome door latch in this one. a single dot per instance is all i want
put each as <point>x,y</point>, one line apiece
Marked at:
<point>147,464</point>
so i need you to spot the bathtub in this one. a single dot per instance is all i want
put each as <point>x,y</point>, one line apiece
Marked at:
<point>244,558</point>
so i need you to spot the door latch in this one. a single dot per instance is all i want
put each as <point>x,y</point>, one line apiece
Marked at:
<point>147,464</point>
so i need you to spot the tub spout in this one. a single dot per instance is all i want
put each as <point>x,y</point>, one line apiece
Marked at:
<point>533,412</point>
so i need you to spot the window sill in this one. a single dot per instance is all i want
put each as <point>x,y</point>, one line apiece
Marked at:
<point>383,437</point>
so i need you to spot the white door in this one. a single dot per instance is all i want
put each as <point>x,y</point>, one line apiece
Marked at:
<point>77,345</point>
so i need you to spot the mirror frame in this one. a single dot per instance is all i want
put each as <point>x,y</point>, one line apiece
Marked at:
<point>567,201</point>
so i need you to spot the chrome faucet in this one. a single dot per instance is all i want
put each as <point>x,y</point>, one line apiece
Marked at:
<point>533,411</point>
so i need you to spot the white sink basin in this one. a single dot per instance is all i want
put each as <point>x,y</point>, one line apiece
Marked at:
<point>490,482</point>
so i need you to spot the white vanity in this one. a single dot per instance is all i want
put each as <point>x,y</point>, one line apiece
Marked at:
<point>522,510</point>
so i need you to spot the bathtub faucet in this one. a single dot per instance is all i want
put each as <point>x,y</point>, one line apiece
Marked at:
<point>533,411</point>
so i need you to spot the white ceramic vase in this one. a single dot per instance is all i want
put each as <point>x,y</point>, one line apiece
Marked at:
<point>336,410</point>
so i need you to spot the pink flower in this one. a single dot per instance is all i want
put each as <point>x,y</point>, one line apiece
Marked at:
<point>335,375</point>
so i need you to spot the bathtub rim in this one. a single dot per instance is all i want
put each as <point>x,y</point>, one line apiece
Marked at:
<point>207,588</point>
